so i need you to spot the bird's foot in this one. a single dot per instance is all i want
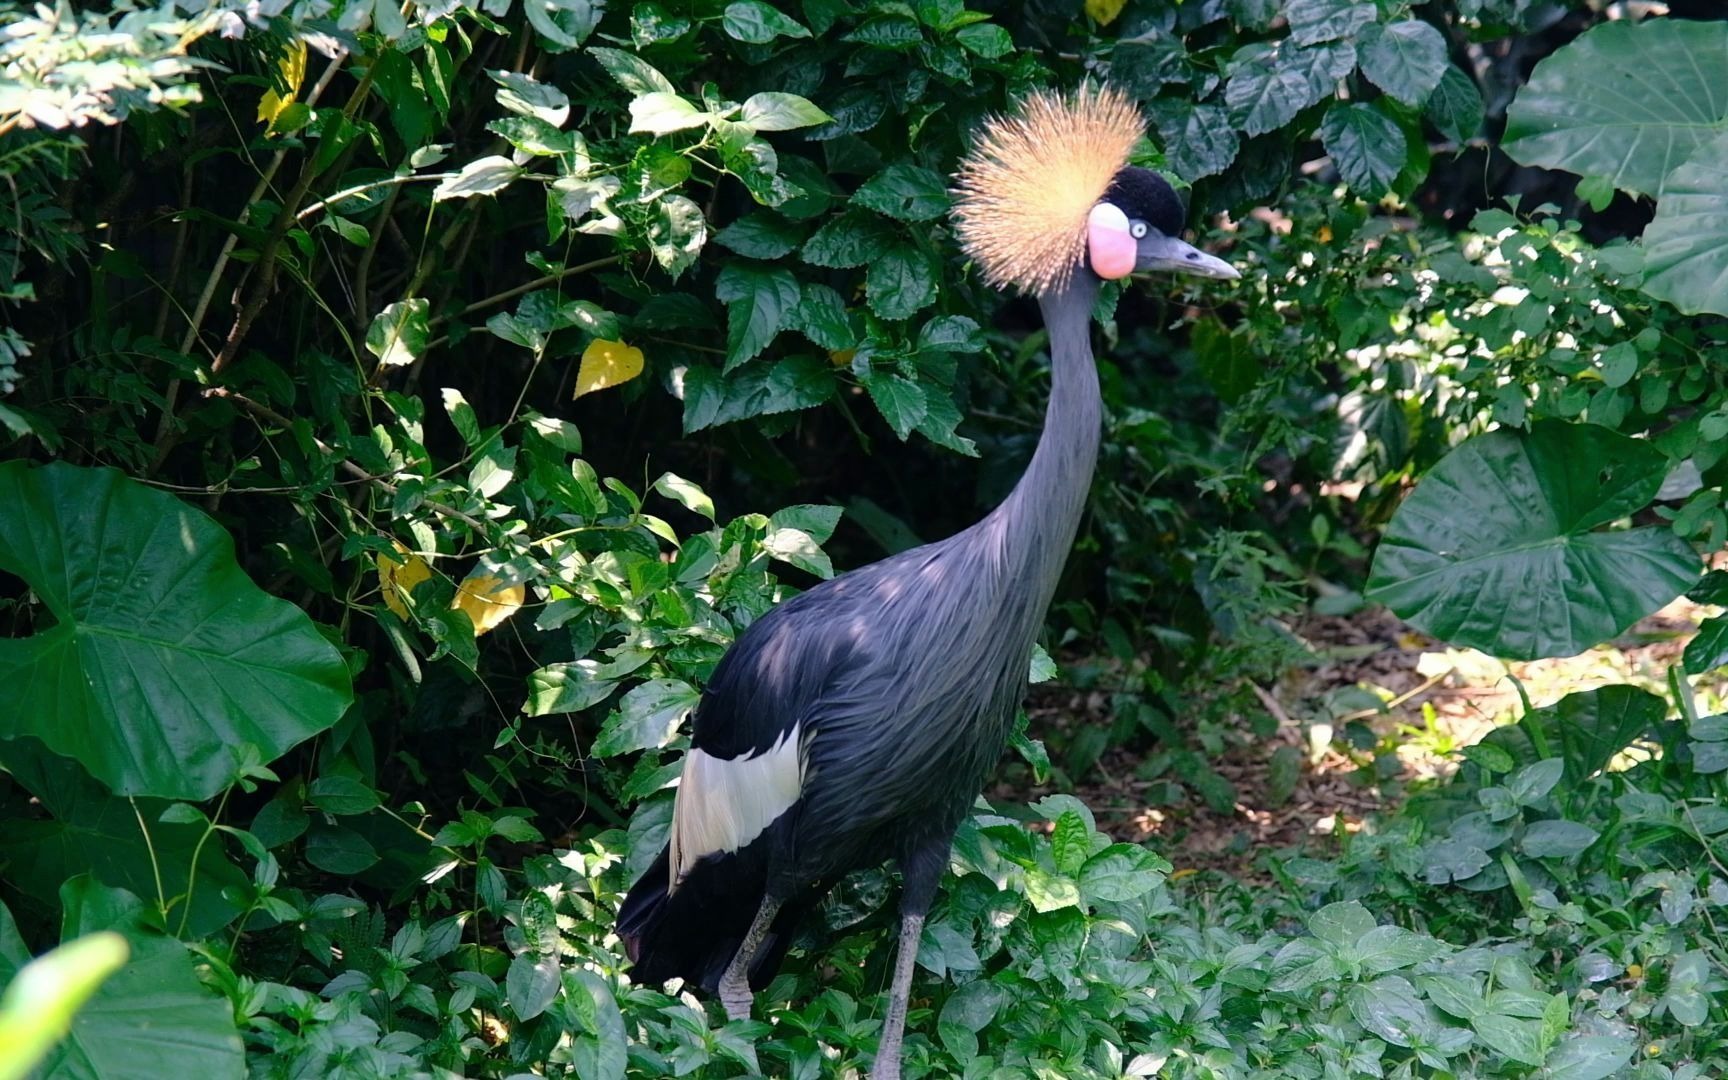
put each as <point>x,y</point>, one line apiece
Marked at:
<point>737,999</point>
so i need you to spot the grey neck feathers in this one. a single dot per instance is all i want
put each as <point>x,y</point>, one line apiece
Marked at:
<point>1038,520</point>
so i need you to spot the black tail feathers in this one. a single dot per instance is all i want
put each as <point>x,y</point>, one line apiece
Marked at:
<point>693,933</point>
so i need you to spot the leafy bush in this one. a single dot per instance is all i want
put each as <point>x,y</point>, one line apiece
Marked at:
<point>472,342</point>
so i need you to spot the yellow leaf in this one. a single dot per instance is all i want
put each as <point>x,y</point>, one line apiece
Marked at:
<point>1105,11</point>
<point>293,69</point>
<point>607,363</point>
<point>842,357</point>
<point>487,601</point>
<point>399,578</point>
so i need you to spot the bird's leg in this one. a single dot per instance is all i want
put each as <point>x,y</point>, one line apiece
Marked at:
<point>887,1066</point>
<point>735,992</point>
<point>920,871</point>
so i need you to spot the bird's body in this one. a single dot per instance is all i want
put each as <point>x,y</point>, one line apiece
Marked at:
<point>858,721</point>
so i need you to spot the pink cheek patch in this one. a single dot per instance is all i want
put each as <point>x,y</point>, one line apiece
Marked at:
<point>1109,246</point>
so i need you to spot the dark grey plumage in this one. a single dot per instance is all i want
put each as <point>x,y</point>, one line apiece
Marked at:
<point>897,683</point>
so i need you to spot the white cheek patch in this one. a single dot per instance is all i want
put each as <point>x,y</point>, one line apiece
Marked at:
<point>1110,248</point>
<point>724,803</point>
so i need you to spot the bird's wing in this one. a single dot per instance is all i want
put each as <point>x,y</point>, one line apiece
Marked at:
<point>747,760</point>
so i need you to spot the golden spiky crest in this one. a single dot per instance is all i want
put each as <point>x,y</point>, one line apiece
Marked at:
<point>1021,197</point>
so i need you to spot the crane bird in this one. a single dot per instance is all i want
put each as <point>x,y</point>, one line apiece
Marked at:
<point>858,720</point>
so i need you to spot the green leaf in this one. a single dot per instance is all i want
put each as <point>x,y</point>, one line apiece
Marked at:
<point>531,135</point>
<point>797,382</point>
<point>1406,59</point>
<point>1455,106</point>
<point>531,984</point>
<point>1495,550</point>
<point>189,1030</point>
<point>795,546</point>
<point>1624,101</point>
<point>525,96</point>
<point>1314,21</point>
<point>1586,729</point>
<point>338,849</point>
<point>661,112</point>
<point>92,832</point>
<point>986,40</point>
<point>816,519</point>
<point>637,76</point>
<point>43,996</point>
<point>601,1045</point>
<point>1342,924</point>
<point>400,333</point>
<point>648,717</point>
<point>1531,784</point>
<point>688,495</point>
<point>901,283</point>
<point>164,660</point>
<point>781,112</point>
<point>1390,1008</point>
<point>676,233</point>
<point>1122,872</point>
<point>761,235</point>
<point>1199,139</point>
<point>1518,1039</point>
<point>1588,1057</point>
<point>1070,842</point>
<point>852,239</point>
<point>1050,892</point>
<point>905,192</point>
<point>1686,246</point>
<point>561,24</point>
<point>1367,146</point>
<point>760,302</point>
<point>1388,948</point>
<point>1270,84</point>
<point>341,795</point>
<point>821,317</point>
<point>1709,649</point>
<point>1557,839</point>
<point>487,176</point>
<point>1041,667</point>
<point>900,400</point>
<point>758,23</point>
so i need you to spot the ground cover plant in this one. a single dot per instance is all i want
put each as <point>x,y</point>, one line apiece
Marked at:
<point>405,405</point>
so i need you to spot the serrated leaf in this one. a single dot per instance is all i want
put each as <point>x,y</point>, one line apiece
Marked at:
<point>1270,84</point>
<point>636,75</point>
<point>1366,145</point>
<point>648,717</point>
<point>904,192</point>
<point>900,400</point>
<point>761,235</point>
<point>852,239</point>
<point>758,23</point>
<point>1122,872</point>
<point>1455,106</point>
<point>1314,21</point>
<point>901,283</point>
<point>1199,140</point>
<point>1406,59</point>
<point>760,302</point>
<point>677,233</point>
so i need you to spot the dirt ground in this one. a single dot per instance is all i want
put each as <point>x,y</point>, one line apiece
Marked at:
<point>1440,699</point>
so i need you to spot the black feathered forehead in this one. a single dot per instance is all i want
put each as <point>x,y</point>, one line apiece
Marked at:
<point>1142,193</point>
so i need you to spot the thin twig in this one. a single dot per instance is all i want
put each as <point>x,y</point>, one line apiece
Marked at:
<point>267,413</point>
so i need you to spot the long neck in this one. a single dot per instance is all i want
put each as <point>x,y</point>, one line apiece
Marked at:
<point>1039,518</point>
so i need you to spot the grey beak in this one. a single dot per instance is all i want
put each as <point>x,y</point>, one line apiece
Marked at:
<point>1178,257</point>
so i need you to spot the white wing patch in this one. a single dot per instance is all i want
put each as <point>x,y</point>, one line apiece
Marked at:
<point>724,803</point>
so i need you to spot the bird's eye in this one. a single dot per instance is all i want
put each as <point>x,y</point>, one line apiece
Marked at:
<point>1137,230</point>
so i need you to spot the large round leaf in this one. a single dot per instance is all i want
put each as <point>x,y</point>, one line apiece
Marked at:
<point>1496,548</point>
<point>165,659</point>
<point>1625,102</point>
<point>1686,246</point>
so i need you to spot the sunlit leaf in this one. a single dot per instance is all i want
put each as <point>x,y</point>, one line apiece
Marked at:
<point>606,364</point>
<point>400,333</point>
<point>488,601</point>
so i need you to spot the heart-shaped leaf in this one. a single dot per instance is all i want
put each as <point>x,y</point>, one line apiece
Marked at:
<point>1497,547</point>
<point>165,659</point>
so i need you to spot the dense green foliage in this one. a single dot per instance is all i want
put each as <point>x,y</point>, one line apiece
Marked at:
<point>409,403</point>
